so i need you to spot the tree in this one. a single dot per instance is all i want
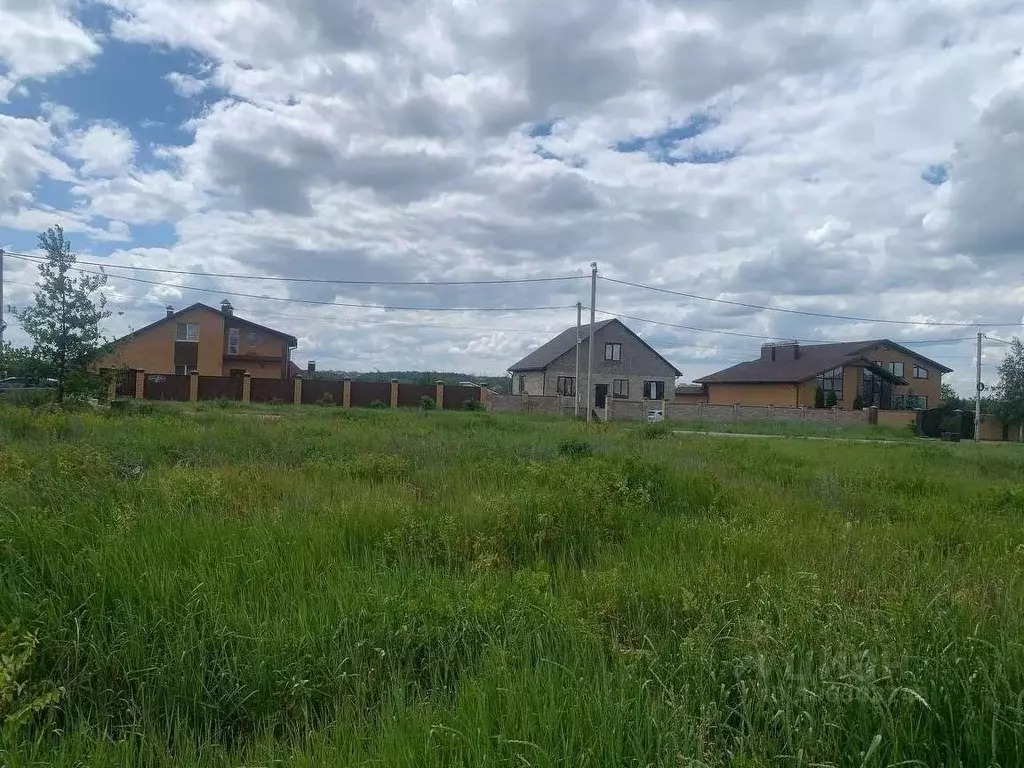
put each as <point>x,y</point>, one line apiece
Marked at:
<point>948,396</point>
<point>858,402</point>
<point>64,320</point>
<point>819,398</point>
<point>1010,390</point>
<point>831,401</point>
<point>20,362</point>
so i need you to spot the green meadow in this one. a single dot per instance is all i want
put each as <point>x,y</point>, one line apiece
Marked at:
<point>319,587</point>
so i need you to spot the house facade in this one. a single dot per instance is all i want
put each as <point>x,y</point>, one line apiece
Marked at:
<point>208,341</point>
<point>883,373</point>
<point>625,367</point>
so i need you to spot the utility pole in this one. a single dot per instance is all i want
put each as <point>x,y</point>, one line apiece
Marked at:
<point>576,381</point>
<point>590,340</point>
<point>978,386</point>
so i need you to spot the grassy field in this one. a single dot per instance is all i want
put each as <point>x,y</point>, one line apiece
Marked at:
<point>324,587</point>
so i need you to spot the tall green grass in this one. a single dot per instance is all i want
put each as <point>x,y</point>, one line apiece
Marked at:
<point>325,587</point>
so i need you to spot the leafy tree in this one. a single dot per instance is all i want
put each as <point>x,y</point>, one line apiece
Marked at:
<point>64,320</point>
<point>20,362</point>
<point>819,398</point>
<point>1009,404</point>
<point>950,400</point>
<point>858,402</point>
<point>831,401</point>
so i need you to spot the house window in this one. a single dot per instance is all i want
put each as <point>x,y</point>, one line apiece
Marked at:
<point>184,370</point>
<point>521,385</point>
<point>252,339</point>
<point>620,388</point>
<point>920,373</point>
<point>566,385</point>
<point>612,352</point>
<point>654,390</point>
<point>912,402</point>
<point>232,341</point>
<point>832,381</point>
<point>896,369</point>
<point>186,332</point>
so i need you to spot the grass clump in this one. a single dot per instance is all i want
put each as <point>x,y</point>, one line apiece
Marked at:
<point>300,586</point>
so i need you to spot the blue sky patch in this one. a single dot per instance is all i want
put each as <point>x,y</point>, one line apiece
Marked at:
<point>664,147</point>
<point>936,175</point>
<point>540,130</point>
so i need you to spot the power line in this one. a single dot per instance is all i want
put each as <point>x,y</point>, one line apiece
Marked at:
<point>807,313</point>
<point>316,302</point>
<point>326,281</point>
<point>763,338</point>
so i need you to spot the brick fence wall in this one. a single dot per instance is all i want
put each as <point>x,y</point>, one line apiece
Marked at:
<point>554,405</point>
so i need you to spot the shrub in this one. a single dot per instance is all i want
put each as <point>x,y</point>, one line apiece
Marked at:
<point>427,403</point>
<point>472,405</point>
<point>325,399</point>
<point>819,398</point>
<point>575,448</point>
<point>831,401</point>
<point>378,404</point>
<point>33,398</point>
<point>654,431</point>
<point>858,402</point>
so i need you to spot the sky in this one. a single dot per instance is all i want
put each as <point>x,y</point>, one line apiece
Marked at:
<point>860,158</point>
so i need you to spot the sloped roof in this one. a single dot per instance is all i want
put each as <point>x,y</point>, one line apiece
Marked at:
<point>292,341</point>
<point>547,353</point>
<point>814,359</point>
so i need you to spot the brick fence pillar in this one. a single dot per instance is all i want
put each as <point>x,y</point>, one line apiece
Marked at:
<point>193,386</point>
<point>873,414</point>
<point>246,387</point>
<point>394,393</point>
<point>346,393</point>
<point>140,385</point>
<point>439,396</point>
<point>297,390</point>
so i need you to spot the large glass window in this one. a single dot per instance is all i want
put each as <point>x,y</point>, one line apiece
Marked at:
<point>832,381</point>
<point>896,369</point>
<point>566,385</point>
<point>187,332</point>
<point>920,372</point>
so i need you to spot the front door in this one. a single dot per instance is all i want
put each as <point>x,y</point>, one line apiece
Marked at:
<point>600,395</point>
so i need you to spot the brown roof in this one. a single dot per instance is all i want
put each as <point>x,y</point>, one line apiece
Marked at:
<point>292,341</point>
<point>813,360</point>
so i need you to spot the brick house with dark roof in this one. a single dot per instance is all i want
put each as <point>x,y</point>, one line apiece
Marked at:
<point>881,371</point>
<point>206,340</point>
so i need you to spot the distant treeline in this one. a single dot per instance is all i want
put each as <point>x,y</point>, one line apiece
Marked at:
<point>497,383</point>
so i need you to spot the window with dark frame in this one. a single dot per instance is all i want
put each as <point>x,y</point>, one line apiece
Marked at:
<point>184,370</point>
<point>566,385</point>
<point>620,388</point>
<point>521,386</point>
<point>233,334</point>
<point>612,352</point>
<point>920,372</point>
<point>654,390</point>
<point>832,381</point>
<point>896,369</point>
<point>186,332</point>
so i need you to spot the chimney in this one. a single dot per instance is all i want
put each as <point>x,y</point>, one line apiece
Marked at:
<point>226,308</point>
<point>170,310</point>
<point>311,367</point>
<point>780,352</point>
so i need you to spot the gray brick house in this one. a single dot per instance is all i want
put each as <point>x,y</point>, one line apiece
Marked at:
<point>625,366</point>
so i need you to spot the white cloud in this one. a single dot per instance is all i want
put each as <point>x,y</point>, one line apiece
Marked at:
<point>387,141</point>
<point>39,38</point>
<point>103,149</point>
<point>185,85</point>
